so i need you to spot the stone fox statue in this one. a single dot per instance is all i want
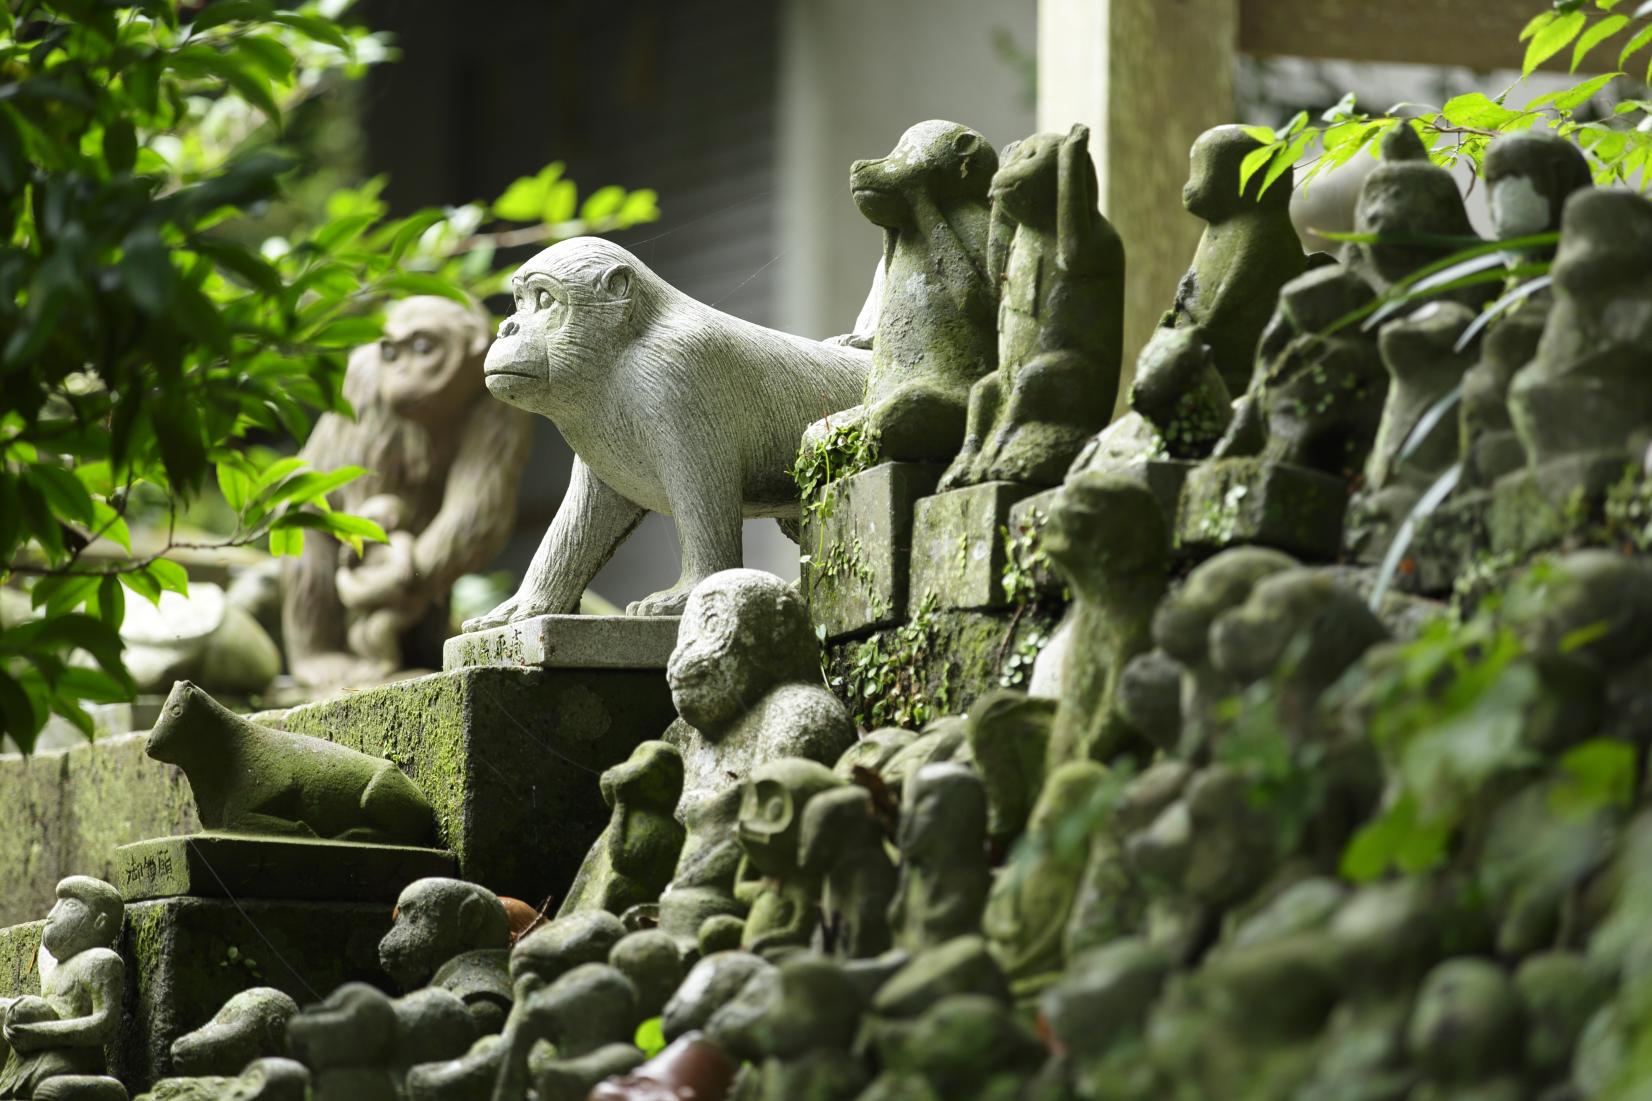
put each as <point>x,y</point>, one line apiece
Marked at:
<point>253,779</point>
<point>670,407</point>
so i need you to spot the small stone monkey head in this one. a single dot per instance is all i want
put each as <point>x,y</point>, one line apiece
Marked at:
<point>772,808</point>
<point>1212,190</point>
<point>1529,176</point>
<point>1027,184</point>
<point>88,914</point>
<point>941,161</point>
<point>651,777</point>
<point>1104,531</point>
<point>573,304</point>
<point>430,357</point>
<point>743,632</point>
<point>435,920</point>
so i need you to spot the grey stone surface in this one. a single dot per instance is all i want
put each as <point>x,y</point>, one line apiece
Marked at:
<point>568,642</point>
<point>859,548</point>
<point>219,865</point>
<point>669,405</point>
<point>251,1025</point>
<point>958,551</point>
<point>1229,502</point>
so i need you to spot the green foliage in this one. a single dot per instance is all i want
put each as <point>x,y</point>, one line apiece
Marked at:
<point>1027,567</point>
<point>847,449</point>
<point>883,683</point>
<point>144,338</point>
<point>650,1037</point>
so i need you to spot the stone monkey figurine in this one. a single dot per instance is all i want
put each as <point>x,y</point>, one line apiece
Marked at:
<point>253,779</point>
<point>451,457</point>
<point>782,891</point>
<point>935,331</point>
<point>251,1025</point>
<point>944,875</point>
<point>1059,267</point>
<point>359,1043</point>
<point>454,936</point>
<point>59,1036</point>
<point>632,861</point>
<point>670,407</point>
<point>843,847</point>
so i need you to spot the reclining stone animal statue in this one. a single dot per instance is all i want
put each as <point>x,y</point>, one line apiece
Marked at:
<point>670,407</point>
<point>253,779</point>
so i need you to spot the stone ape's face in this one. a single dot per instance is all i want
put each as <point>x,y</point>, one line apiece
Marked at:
<point>1529,176</point>
<point>570,303</point>
<point>1212,189</point>
<point>1101,526</point>
<point>437,919</point>
<point>944,159</point>
<point>429,357</point>
<point>86,915</point>
<point>743,632</point>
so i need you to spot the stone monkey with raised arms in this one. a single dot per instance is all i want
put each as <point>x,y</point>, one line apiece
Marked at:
<point>670,407</point>
<point>448,456</point>
<point>1058,266</point>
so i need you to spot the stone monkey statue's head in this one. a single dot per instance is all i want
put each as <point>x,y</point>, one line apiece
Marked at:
<point>943,813</point>
<point>1407,195</point>
<point>577,305</point>
<point>652,777</point>
<point>250,1025</point>
<point>429,361</point>
<point>1212,190</point>
<point>88,914</point>
<point>772,808</point>
<point>1529,176</point>
<point>1105,530</point>
<point>843,821</point>
<point>940,162</point>
<point>1296,623</point>
<point>743,632</point>
<point>1181,626</point>
<point>1605,254</point>
<point>1027,185</point>
<point>435,920</point>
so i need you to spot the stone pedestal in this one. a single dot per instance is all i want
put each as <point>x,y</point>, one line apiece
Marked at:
<point>857,549</point>
<point>958,552</point>
<point>1250,501</point>
<point>1537,508</point>
<point>568,642</point>
<point>226,865</point>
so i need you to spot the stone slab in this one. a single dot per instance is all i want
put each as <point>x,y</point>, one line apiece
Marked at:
<point>958,552</point>
<point>1537,508</point>
<point>1026,527</point>
<point>857,549</point>
<point>1231,502</point>
<point>509,759</point>
<point>568,642</point>
<point>225,865</point>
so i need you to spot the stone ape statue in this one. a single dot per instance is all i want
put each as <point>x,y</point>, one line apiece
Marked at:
<point>444,462</point>
<point>670,407</point>
<point>454,936</point>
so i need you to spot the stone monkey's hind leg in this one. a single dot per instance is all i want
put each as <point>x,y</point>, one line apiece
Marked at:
<point>710,511</point>
<point>592,520</point>
<point>1056,403</point>
<point>984,399</point>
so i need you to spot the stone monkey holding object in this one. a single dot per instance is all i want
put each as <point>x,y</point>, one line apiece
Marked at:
<point>253,779</point>
<point>445,458</point>
<point>632,861</point>
<point>1060,268</point>
<point>670,407</point>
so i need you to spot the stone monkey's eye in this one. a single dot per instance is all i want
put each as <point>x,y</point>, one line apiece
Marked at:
<point>543,299</point>
<point>387,350</point>
<point>423,345</point>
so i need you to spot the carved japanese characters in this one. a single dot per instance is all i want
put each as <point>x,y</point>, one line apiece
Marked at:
<point>745,676</point>
<point>843,847</point>
<point>780,889</point>
<point>60,1035</point>
<point>633,859</point>
<point>252,779</point>
<point>944,875</point>
<point>670,407</point>
<point>450,456</point>
<point>935,335</point>
<point>452,935</point>
<point>1059,267</point>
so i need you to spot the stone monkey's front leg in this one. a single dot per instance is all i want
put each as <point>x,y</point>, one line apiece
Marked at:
<point>709,510</point>
<point>592,520</point>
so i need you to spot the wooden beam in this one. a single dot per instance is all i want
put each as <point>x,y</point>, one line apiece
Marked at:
<point>1474,34</point>
<point>1147,77</point>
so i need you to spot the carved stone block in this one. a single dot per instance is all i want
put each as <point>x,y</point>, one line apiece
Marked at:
<point>858,548</point>
<point>958,552</point>
<point>1252,501</point>
<point>568,642</point>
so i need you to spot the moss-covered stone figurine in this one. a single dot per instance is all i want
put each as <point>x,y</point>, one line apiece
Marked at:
<point>782,893</point>
<point>59,1036</point>
<point>454,936</point>
<point>253,779</point>
<point>935,327</point>
<point>633,859</point>
<point>1059,267</point>
<point>944,876</point>
<point>252,1025</point>
<point>843,847</point>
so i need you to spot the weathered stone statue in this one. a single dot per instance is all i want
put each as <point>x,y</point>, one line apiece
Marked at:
<point>935,334</point>
<point>1009,739</point>
<point>745,678</point>
<point>966,1047</point>
<point>252,779</point>
<point>1107,537</point>
<point>670,406</point>
<point>448,455</point>
<point>206,637</point>
<point>1407,197</point>
<point>1059,268</point>
<point>454,936</point>
<point>633,859</point>
<point>580,1012</point>
<point>1179,390</point>
<point>702,885</point>
<point>1025,921</point>
<point>653,963</point>
<point>1467,1033</point>
<point>59,1036</point>
<point>360,1043</point>
<point>250,1026</point>
<point>944,875</point>
<point>843,847</point>
<point>780,890</point>
<point>806,1033</point>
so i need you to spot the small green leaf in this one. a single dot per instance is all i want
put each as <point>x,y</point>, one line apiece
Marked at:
<point>169,576</point>
<point>1635,45</point>
<point>1551,39</point>
<point>287,542</point>
<point>1253,162</point>
<point>1537,23</point>
<point>560,202</point>
<point>650,1037</point>
<point>1595,35</point>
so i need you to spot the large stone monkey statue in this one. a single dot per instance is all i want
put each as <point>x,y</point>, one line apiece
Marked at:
<point>444,460</point>
<point>670,407</point>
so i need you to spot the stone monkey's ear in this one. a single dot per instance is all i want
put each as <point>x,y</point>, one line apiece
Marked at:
<point>616,281</point>
<point>1079,135</point>
<point>964,143</point>
<point>473,917</point>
